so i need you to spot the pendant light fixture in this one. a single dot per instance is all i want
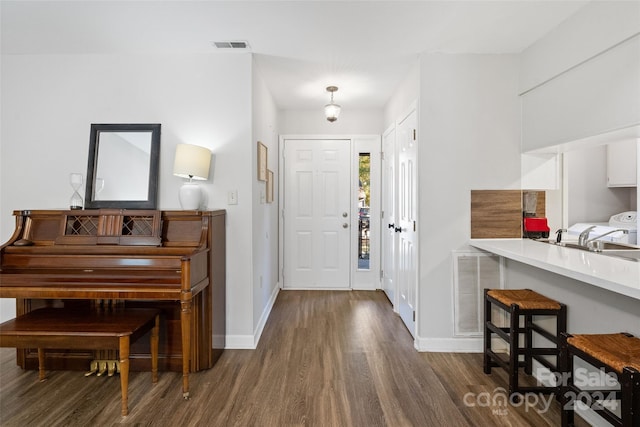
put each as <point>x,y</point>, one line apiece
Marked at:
<point>332,110</point>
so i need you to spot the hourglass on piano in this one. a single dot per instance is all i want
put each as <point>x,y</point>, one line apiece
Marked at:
<point>75,179</point>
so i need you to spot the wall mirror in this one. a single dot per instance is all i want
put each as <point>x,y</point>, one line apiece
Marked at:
<point>123,166</point>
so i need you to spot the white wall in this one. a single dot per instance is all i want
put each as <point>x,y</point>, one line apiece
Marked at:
<point>265,215</point>
<point>50,101</point>
<point>405,94</point>
<point>588,197</point>
<point>313,122</point>
<point>593,29</point>
<point>469,138</point>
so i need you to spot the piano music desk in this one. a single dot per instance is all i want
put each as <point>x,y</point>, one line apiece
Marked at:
<point>55,328</point>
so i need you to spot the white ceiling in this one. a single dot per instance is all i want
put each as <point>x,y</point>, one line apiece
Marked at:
<point>363,47</point>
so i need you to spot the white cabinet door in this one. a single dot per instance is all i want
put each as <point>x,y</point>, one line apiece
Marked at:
<point>622,164</point>
<point>389,200</point>
<point>406,218</point>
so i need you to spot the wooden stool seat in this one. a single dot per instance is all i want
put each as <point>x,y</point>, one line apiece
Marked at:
<point>60,328</point>
<point>618,355</point>
<point>522,304</point>
<point>525,299</point>
<point>615,350</point>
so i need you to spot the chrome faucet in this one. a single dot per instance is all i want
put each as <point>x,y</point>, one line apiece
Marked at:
<point>559,234</point>
<point>624,231</point>
<point>582,239</point>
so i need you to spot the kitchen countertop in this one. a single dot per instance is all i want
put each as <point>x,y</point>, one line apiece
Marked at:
<point>615,274</point>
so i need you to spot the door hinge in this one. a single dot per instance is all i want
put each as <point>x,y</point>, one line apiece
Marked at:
<point>414,226</point>
<point>414,316</point>
<point>414,134</point>
<point>382,214</point>
<point>382,274</point>
<point>382,155</point>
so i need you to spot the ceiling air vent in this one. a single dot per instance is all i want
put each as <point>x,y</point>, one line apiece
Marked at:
<point>231,45</point>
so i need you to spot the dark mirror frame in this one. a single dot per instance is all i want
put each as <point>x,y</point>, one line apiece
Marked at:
<point>94,145</point>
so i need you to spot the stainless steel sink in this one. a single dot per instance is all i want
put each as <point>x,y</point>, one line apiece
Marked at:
<point>564,244</point>
<point>619,250</point>
<point>599,245</point>
<point>633,254</point>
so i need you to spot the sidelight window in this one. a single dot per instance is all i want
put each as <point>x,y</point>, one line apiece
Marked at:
<point>364,200</point>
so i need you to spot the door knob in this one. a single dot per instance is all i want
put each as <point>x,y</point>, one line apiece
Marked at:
<point>345,225</point>
<point>398,229</point>
<point>391,225</point>
<point>344,214</point>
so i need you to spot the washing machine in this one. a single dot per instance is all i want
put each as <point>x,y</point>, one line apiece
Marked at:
<point>625,220</point>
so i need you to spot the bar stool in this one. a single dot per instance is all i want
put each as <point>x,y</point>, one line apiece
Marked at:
<point>619,356</point>
<point>522,303</point>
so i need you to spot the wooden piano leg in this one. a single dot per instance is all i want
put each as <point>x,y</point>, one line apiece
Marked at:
<point>155,338</point>
<point>185,321</point>
<point>124,373</point>
<point>41,373</point>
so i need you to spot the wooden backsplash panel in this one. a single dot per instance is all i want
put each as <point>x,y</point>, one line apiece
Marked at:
<point>497,214</point>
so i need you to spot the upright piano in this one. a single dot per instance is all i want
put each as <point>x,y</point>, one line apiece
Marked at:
<point>173,260</point>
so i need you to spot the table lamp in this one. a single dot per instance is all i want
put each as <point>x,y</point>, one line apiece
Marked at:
<point>191,162</point>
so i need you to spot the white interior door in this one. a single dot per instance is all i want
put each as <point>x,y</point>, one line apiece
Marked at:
<point>406,220</point>
<point>317,214</point>
<point>388,224</point>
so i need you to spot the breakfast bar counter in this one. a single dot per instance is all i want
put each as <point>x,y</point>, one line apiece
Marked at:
<point>615,274</point>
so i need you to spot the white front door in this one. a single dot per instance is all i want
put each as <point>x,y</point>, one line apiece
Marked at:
<point>406,219</point>
<point>389,241</point>
<point>317,214</point>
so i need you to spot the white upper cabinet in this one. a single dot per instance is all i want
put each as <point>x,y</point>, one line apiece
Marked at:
<point>595,97</point>
<point>622,164</point>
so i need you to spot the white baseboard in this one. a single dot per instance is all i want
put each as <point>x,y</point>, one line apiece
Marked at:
<point>302,288</point>
<point>250,342</point>
<point>265,315</point>
<point>450,345</point>
<point>240,342</point>
<point>458,345</point>
<point>364,287</point>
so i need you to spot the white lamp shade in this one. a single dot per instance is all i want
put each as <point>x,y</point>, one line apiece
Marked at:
<point>192,162</point>
<point>332,111</point>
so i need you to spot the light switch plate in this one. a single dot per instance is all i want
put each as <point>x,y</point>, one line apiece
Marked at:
<point>232,197</point>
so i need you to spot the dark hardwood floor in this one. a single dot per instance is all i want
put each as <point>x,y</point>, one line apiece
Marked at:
<point>324,359</point>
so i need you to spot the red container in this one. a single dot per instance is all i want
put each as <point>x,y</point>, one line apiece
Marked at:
<point>535,228</point>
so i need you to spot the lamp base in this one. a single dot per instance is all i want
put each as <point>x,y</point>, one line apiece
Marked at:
<point>190,196</point>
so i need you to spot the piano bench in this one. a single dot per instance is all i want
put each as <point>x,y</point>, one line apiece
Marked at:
<point>60,328</point>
